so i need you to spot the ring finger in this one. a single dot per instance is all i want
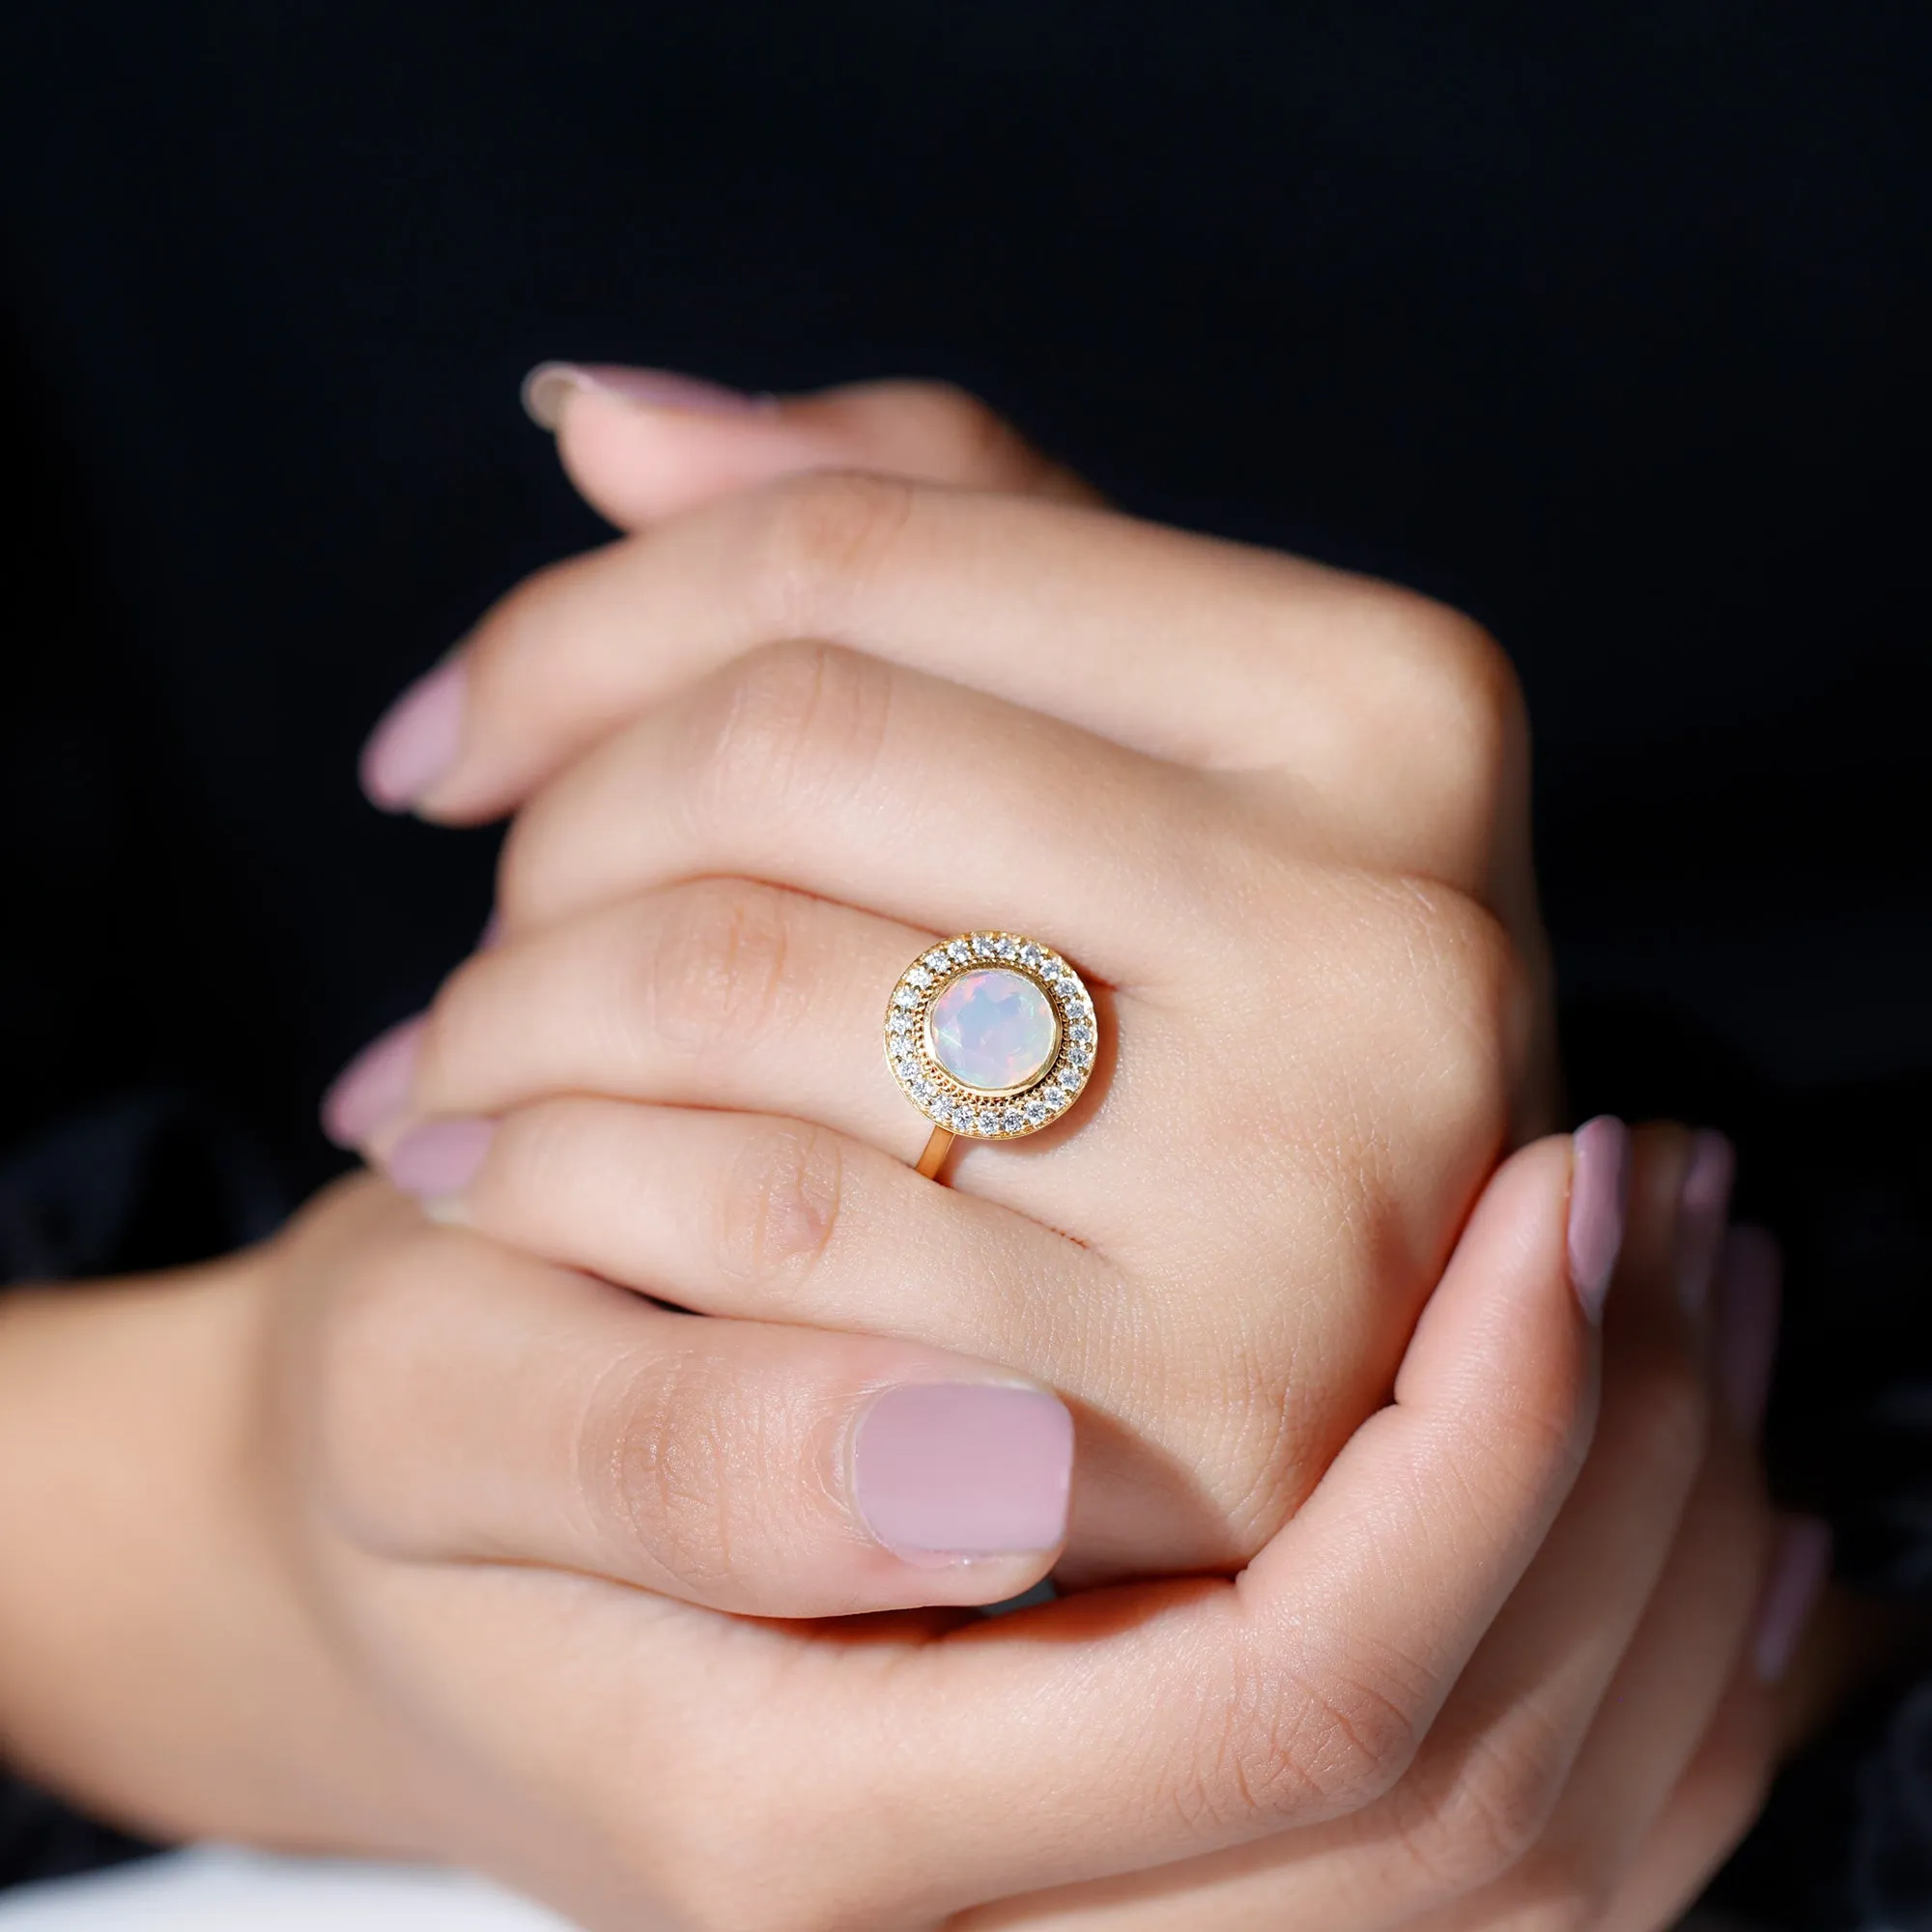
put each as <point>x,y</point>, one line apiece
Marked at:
<point>725,993</point>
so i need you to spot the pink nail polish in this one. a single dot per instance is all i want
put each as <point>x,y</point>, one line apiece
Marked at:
<point>1599,1187</point>
<point>551,384</point>
<point>961,1469</point>
<point>1702,1208</point>
<point>1800,1568</point>
<point>374,1087</point>
<point>416,740</point>
<point>1744,1309</point>
<point>440,1157</point>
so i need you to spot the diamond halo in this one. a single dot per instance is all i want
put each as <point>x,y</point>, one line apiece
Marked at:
<point>977,1113</point>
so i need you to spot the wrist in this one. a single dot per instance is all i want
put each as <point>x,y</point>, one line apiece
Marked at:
<point>151,1650</point>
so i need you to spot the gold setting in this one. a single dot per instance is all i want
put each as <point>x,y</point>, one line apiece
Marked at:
<point>972,1113</point>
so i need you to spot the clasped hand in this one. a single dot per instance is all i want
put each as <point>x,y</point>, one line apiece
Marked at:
<point>1461,1556</point>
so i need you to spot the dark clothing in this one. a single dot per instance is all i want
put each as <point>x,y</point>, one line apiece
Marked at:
<point>1608,323</point>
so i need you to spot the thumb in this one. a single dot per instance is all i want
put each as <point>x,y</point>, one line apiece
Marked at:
<point>641,444</point>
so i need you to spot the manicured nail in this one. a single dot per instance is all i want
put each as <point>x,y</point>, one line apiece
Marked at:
<point>416,739</point>
<point>439,1158</point>
<point>1701,1212</point>
<point>1744,1307</point>
<point>1799,1572</point>
<point>551,384</point>
<point>1599,1189</point>
<point>374,1087</point>
<point>961,1469</point>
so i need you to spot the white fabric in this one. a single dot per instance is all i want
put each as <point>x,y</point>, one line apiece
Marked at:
<point>214,1888</point>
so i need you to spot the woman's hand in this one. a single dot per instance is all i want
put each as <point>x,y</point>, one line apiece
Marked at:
<point>1613,1735</point>
<point>330,1551</point>
<point>1275,813</point>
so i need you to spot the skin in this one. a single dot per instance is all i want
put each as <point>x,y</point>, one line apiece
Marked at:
<point>1294,878</point>
<point>354,1590</point>
<point>1488,1670</point>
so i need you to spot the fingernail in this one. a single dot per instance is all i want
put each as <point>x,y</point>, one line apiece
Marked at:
<point>439,1158</point>
<point>374,1087</point>
<point>551,384</point>
<point>1799,1572</point>
<point>1599,1186</point>
<point>416,739</point>
<point>1744,1308</point>
<point>960,1470</point>
<point>1701,1211</point>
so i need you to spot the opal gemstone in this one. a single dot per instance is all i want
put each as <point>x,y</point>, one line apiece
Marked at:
<point>993,1031</point>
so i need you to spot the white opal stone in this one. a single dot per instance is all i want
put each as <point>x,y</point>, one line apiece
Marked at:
<point>993,1031</point>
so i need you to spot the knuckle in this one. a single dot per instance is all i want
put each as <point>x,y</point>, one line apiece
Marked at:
<point>661,1449</point>
<point>779,1203</point>
<point>719,974</point>
<point>1452,696</point>
<point>1464,984</point>
<point>1488,1815</point>
<point>1292,1747</point>
<point>798,725</point>
<point>1566,1897</point>
<point>967,437</point>
<point>814,541</point>
<point>1469,686</point>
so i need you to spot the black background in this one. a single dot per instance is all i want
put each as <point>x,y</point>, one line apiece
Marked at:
<point>1608,323</point>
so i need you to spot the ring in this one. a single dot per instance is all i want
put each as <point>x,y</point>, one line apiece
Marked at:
<point>991,1036</point>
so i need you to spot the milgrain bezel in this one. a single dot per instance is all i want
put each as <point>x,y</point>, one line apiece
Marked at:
<point>973,1113</point>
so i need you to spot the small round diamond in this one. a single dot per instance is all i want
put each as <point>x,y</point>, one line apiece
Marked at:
<point>983,945</point>
<point>988,1124</point>
<point>1005,947</point>
<point>1036,1112</point>
<point>905,996</point>
<point>919,977</point>
<point>936,959</point>
<point>1031,954</point>
<point>958,949</point>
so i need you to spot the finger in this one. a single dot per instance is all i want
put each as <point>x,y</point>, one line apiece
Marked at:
<point>891,791</point>
<point>726,994</point>
<point>1649,1726</point>
<point>481,1407</point>
<point>1125,1728</point>
<point>718,992</point>
<point>1496,1760</point>
<point>1703,1819</point>
<point>642,447</point>
<point>1052,607</point>
<point>757,1218</point>
<point>1502,1759</point>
